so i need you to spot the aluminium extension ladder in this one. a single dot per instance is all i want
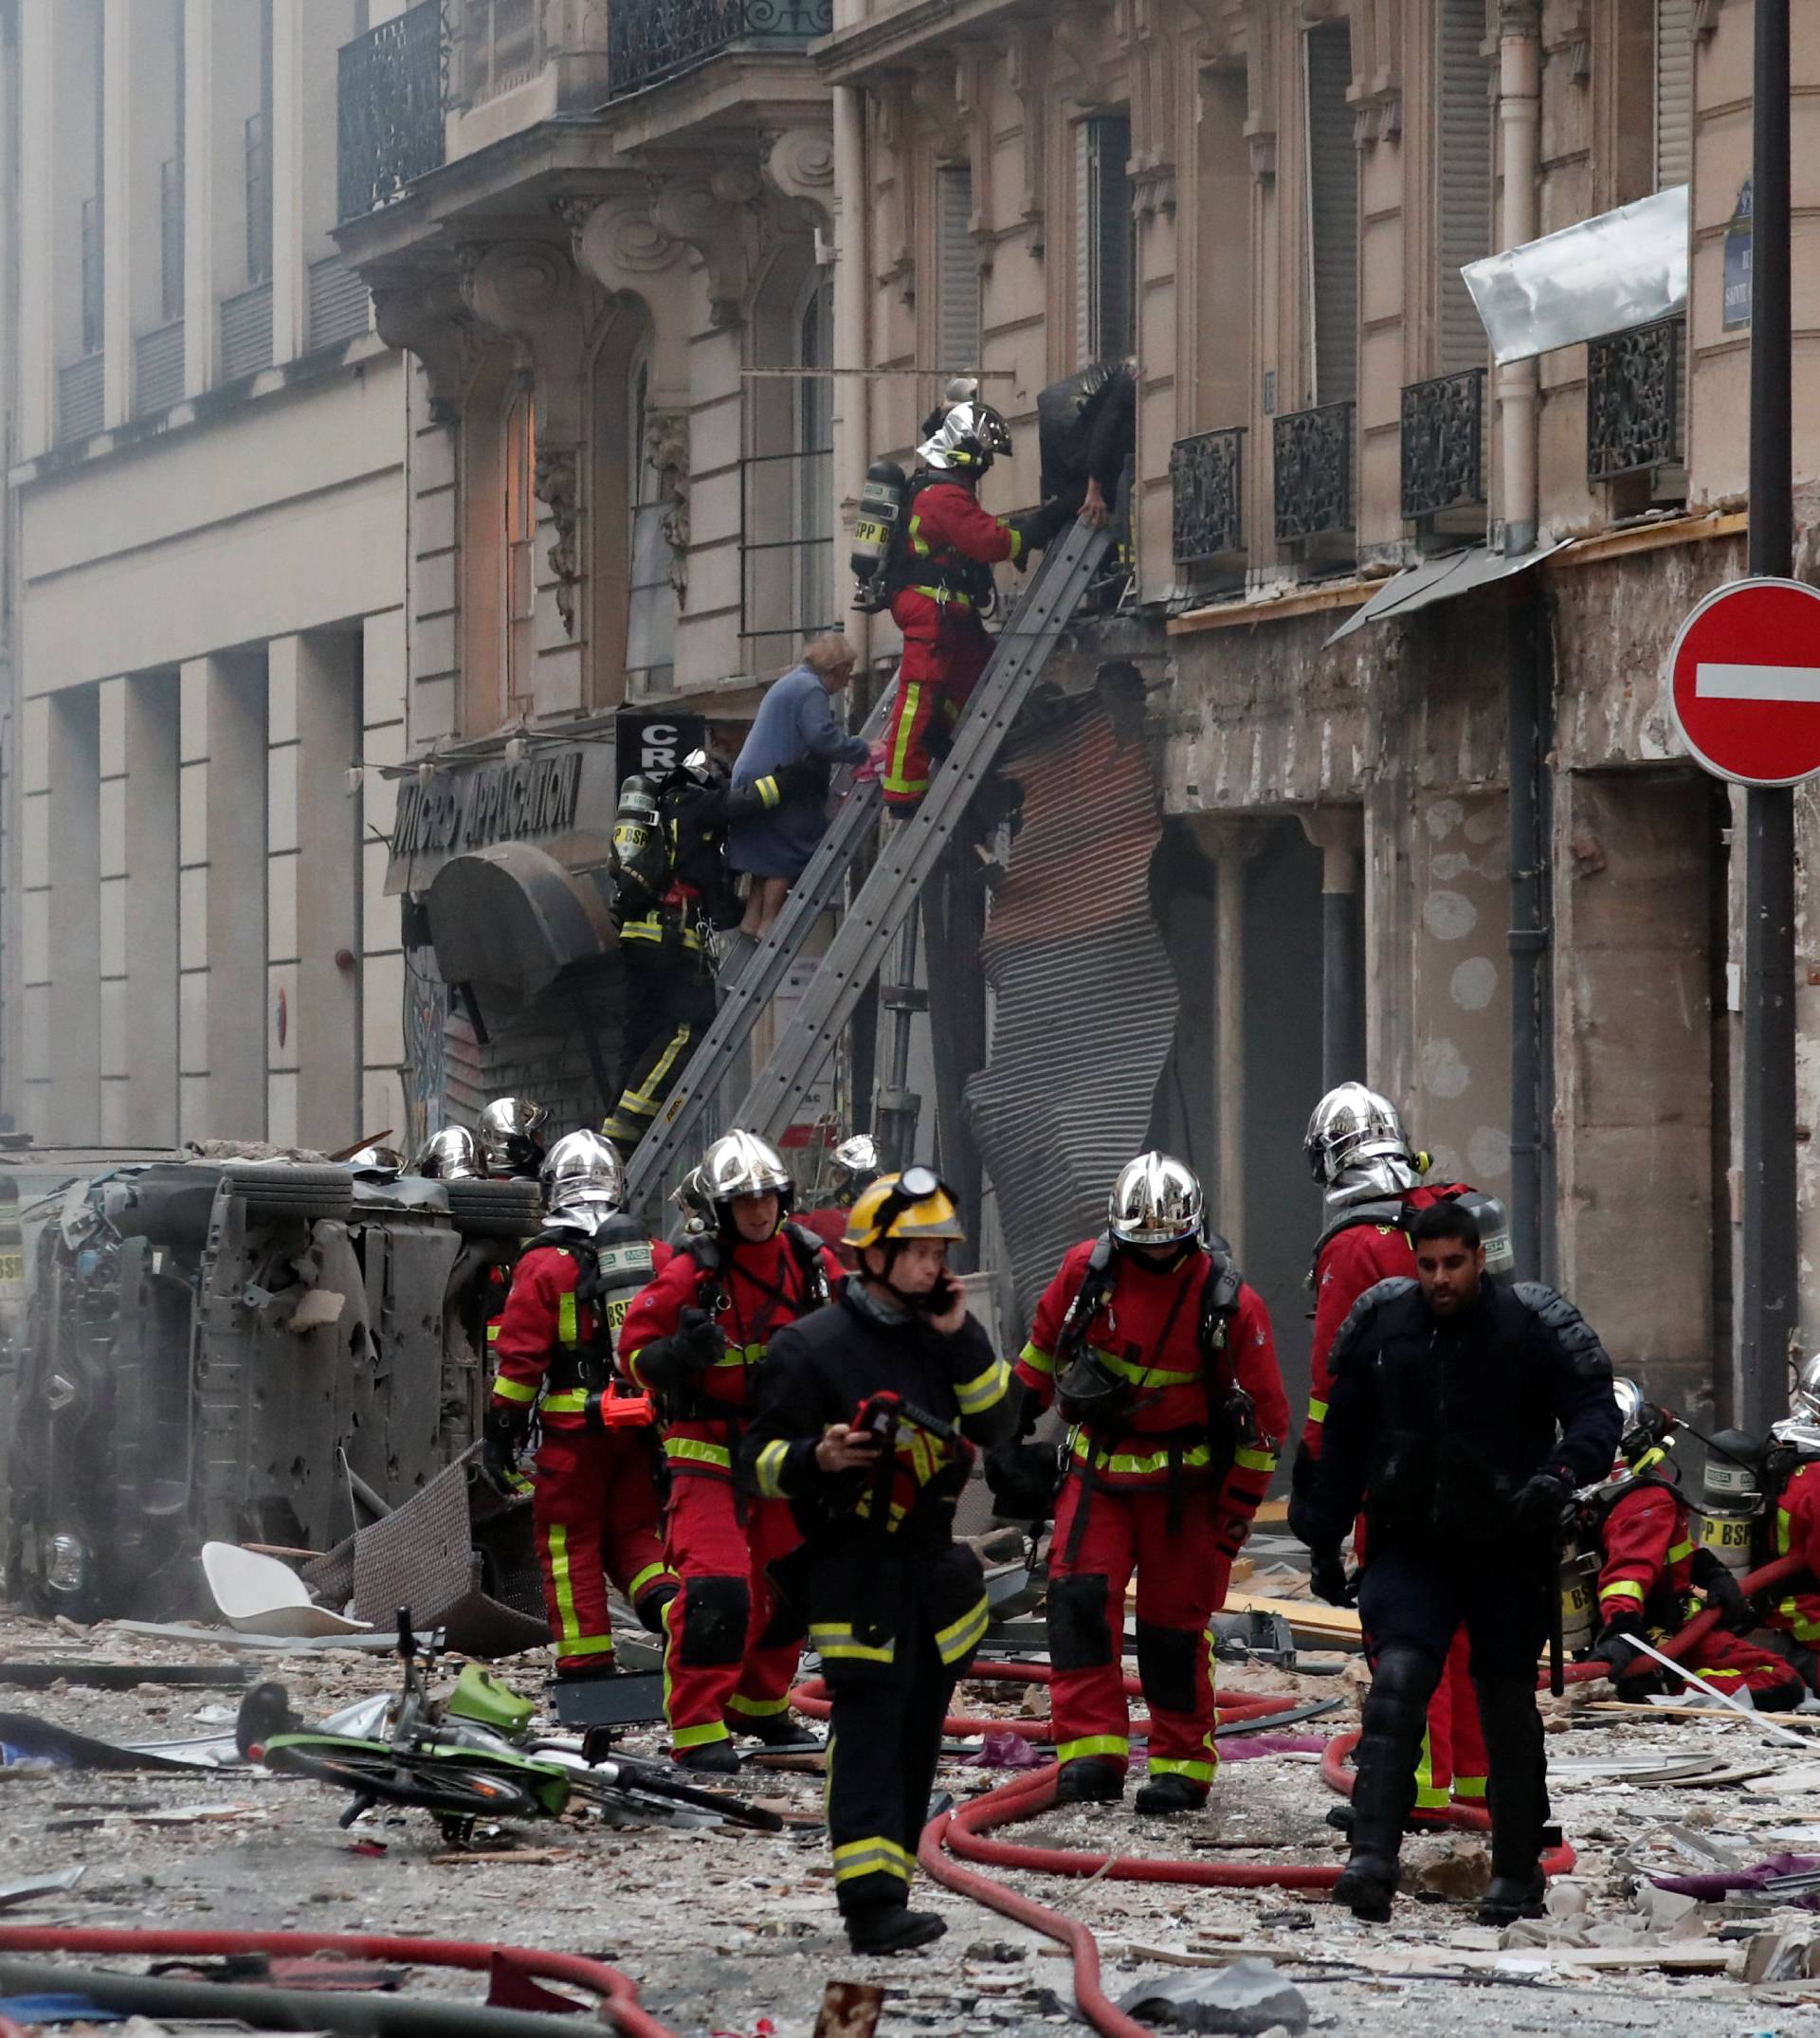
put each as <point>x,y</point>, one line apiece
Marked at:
<point>909,854</point>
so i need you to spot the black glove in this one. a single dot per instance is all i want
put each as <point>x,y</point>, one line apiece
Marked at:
<point>1616,1650</point>
<point>503,1435</point>
<point>1539,1502</point>
<point>803,780</point>
<point>1737,1615</point>
<point>695,1344</point>
<point>1328,1579</point>
<point>1023,1478</point>
<point>1043,525</point>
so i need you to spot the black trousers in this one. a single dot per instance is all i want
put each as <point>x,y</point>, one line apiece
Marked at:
<point>1422,1599</point>
<point>884,1742</point>
<point>669,1005</point>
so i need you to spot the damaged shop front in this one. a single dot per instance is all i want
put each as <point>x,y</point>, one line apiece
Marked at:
<point>501,853</point>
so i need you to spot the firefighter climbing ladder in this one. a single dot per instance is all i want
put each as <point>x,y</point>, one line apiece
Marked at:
<point>908,856</point>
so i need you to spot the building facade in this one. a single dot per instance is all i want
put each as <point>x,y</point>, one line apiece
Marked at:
<point>206,559</point>
<point>1370,775</point>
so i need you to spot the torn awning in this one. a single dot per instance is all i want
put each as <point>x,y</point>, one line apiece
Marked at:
<point>510,916</point>
<point>1440,579</point>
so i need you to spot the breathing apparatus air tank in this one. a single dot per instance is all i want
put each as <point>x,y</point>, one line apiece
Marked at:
<point>1494,1230</point>
<point>1724,1518</point>
<point>881,502</point>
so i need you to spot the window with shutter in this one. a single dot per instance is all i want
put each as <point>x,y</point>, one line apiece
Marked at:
<point>1463,179</point>
<point>1104,240</point>
<point>1674,93</point>
<point>1333,213</point>
<point>957,273</point>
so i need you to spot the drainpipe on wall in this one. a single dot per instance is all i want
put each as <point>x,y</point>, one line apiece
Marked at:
<point>852,334</point>
<point>1338,834</point>
<point>1529,692</point>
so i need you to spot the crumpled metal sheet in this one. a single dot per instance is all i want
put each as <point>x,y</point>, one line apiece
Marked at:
<point>1085,998</point>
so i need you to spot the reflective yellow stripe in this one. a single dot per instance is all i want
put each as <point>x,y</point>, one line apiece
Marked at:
<point>587,1644</point>
<point>757,1708</point>
<point>1131,1465</point>
<point>1195,1772</point>
<point>1800,1627</point>
<point>768,790</point>
<point>1255,1461</point>
<point>1036,1360</point>
<point>1317,1412</point>
<point>1681,1553</point>
<point>493,1331</point>
<point>837,1641</point>
<point>1621,1589</point>
<point>654,930</point>
<point>1469,1789</point>
<point>564,1584</point>
<point>690,1451</point>
<point>568,1320</point>
<point>1128,1369</point>
<point>894,779</point>
<point>700,1736</point>
<point>918,544</point>
<point>742,1354</point>
<point>509,1390</point>
<point>953,1642</point>
<point>767,1473</point>
<point>646,1578</point>
<point>1427,1798</point>
<point>1017,544</point>
<point>572,1401</point>
<point>948,597</point>
<point>1112,1744</point>
<point>984,1390</point>
<point>879,1856</point>
<point>644,1103</point>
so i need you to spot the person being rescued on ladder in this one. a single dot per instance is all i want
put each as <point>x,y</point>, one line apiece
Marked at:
<point>1163,1362</point>
<point>940,583</point>
<point>595,1497</point>
<point>695,1339</point>
<point>1651,1569</point>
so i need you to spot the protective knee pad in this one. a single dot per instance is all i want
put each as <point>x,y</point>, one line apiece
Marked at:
<point>652,1606</point>
<point>1403,1682</point>
<point>1079,1636</point>
<point>714,1621</point>
<point>1167,1661</point>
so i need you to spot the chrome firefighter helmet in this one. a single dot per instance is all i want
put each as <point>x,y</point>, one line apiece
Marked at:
<point>702,768</point>
<point>1643,1427</point>
<point>508,1133</point>
<point>966,440</point>
<point>856,1163</point>
<point>449,1156</point>
<point>376,1162</point>
<point>582,1176</point>
<point>1156,1201</point>
<point>741,1164</point>
<point>1806,1400</point>
<point>1356,1134</point>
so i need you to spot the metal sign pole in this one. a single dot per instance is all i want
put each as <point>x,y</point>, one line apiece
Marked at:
<point>1770,1244</point>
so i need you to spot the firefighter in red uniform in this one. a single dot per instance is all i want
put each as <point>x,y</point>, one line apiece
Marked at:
<point>695,1339</point>
<point>1162,1360</point>
<point>1359,1155</point>
<point>1792,1478</point>
<point>595,1499</point>
<point>941,582</point>
<point>1653,1579</point>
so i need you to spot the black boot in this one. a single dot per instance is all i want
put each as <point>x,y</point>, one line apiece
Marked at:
<point>782,1731</point>
<point>891,1928</point>
<point>1163,1796</point>
<point>1089,1780</point>
<point>1519,1798</point>
<point>1403,1682</point>
<point>712,1759</point>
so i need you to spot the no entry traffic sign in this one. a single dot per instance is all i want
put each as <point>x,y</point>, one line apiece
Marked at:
<point>1744,681</point>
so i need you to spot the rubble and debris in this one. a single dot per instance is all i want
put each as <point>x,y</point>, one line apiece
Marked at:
<point>259,1595</point>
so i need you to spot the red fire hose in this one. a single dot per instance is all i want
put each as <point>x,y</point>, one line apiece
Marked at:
<point>619,2009</point>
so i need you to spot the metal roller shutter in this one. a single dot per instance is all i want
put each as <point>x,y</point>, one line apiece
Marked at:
<point>957,272</point>
<point>1463,168</point>
<point>1674,93</point>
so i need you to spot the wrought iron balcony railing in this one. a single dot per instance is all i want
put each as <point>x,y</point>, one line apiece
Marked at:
<point>1444,444</point>
<point>1633,384</point>
<point>1314,472</point>
<point>390,101</point>
<point>1207,496</point>
<point>649,40</point>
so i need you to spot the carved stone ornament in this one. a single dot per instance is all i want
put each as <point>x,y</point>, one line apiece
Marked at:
<point>426,316</point>
<point>557,483</point>
<point>666,452</point>
<point>800,163</point>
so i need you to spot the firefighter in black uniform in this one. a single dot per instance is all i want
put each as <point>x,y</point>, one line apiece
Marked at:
<point>672,890</point>
<point>1465,1414</point>
<point>868,1414</point>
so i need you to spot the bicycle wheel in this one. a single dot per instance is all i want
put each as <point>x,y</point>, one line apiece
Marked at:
<point>638,1779</point>
<point>423,1782</point>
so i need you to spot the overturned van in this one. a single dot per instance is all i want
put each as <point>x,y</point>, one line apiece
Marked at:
<point>244,1350</point>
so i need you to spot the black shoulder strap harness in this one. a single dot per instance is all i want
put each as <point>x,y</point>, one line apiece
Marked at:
<point>1389,1212</point>
<point>710,1258</point>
